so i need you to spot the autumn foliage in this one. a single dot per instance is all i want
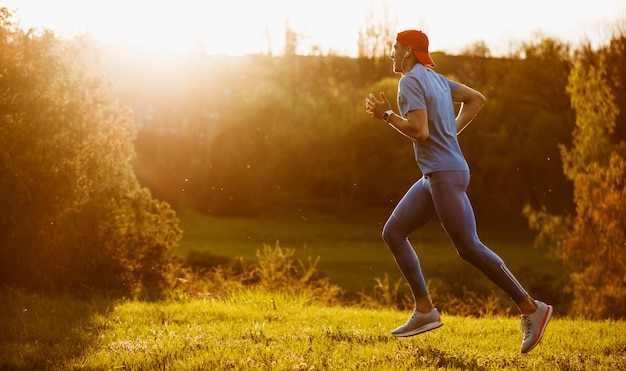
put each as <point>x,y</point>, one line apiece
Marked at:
<point>592,240</point>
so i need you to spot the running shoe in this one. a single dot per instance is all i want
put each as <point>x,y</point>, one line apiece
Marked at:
<point>533,326</point>
<point>418,323</point>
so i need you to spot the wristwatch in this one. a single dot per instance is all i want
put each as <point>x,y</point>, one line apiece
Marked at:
<point>387,115</point>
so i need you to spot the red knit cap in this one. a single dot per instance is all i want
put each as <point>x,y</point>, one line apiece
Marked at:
<point>419,42</point>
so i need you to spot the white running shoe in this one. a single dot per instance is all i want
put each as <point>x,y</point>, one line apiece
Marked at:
<point>418,323</point>
<point>533,326</point>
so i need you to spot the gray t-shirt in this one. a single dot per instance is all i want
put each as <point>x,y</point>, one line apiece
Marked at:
<point>424,89</point>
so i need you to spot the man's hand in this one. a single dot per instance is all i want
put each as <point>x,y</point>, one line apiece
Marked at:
<point>376,108</point>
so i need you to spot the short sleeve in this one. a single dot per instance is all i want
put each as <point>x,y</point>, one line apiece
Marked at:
<point>411,95</point>
<point>453,86</point>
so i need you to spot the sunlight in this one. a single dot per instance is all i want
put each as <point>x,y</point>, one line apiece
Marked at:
<point>219,27</point>
<point>239,27</point>
<point>184,26</point>
<point>232,28</point>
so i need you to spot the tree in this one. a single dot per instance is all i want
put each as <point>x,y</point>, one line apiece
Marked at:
<point>376,39</point>
<point>591,240</point>
<point>292,40</point>
<point>74,215</point>
<point>512,147</point>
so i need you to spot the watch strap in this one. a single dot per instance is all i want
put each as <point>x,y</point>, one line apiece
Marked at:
<point>387,115</point>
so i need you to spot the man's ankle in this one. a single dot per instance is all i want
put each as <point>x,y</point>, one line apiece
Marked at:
<point>527,306</point>
<point>424,304</point>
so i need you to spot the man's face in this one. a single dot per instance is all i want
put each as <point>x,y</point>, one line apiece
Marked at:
<point>398,53</point>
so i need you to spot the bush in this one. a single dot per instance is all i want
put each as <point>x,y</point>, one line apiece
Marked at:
<point>276,270</point>
<point>74,216</point>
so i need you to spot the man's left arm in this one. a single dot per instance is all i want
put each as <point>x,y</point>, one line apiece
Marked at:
<point>471,102</point>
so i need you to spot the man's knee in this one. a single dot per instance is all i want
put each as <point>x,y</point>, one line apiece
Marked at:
<point>392,233</point>
<point>387,233</point>
<point>469,255</point>
<point>469,249</point>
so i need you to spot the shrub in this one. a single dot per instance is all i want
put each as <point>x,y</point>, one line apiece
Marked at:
<point>74,216</point>
<point>276,270</point>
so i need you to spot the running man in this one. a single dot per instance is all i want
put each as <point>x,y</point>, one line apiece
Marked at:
<point>427,117</point>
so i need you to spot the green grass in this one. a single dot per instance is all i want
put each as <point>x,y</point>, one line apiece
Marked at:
<point>352,253</point>
<point>256,331</point>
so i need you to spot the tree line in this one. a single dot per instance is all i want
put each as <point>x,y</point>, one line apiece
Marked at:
<point>245,135</point>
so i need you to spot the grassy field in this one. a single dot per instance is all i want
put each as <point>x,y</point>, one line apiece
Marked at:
<point>260,331</point>
<point>255,330</point>
<point>353,254</point>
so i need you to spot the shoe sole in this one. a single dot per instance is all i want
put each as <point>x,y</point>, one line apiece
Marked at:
<point>544,324</point>
<point>420,330</point>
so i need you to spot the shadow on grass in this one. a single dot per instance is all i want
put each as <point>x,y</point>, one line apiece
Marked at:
<point>43,332</point>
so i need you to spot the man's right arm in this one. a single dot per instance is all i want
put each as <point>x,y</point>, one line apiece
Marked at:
<point>414,126</point>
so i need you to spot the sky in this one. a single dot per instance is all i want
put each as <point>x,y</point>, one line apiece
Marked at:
<point>238,27</point>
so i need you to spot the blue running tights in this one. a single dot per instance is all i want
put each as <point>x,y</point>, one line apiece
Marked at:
<point>443,194</point>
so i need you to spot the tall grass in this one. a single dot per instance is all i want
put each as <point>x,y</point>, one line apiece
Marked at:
<point>255,330</point>
<point>353,256</point>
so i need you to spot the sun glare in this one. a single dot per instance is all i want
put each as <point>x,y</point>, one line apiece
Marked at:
<point>219,27</point>
<point>238,27</point>
<point>178,26</point>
